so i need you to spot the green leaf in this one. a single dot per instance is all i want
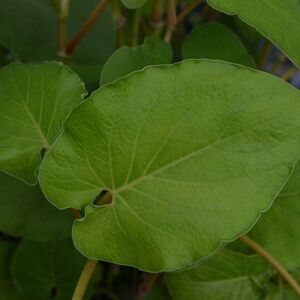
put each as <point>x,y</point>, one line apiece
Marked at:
<point>125,60</point>
<point>278,229</point>
<point>277,20</point>
<point>133,4</point>
<point>26,213</point>
<point>191,153</point>
<point>42,269</point>
<point>34,103</point>
<point>227,275</point>
<point>7,289</point>
<point>216,41</point>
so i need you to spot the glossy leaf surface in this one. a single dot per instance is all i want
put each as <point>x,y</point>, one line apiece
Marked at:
<point>277,20</point>
<point>35,100</point>
<point>190,152</point>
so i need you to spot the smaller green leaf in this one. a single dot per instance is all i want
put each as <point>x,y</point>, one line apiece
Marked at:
<point>7,288</point>
<point>216,41</point>
<point>35,100</point>
<point>278,229</point>
<point>125,60</point>
<point>42,269</point>
<point>227,275</point>
<point>26,213</point>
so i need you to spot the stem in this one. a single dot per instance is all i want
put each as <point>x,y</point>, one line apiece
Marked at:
<point>272,261</point>
<point>86,26</point>
<point>289,73</point>
<point>135,27</point>
<point>75,213</point>
<point>146,286</point>
<point>119,19</point>
<point>62,18</point>
<point>188,10</point>
<point>172,20</point>
<point>181,18</point>
<point>84,279</point>
<point>265,52</point>
<point>156,21</point>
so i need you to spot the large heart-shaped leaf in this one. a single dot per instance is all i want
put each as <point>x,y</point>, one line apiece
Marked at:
<point>277,20</point>
<point>191,153</point>
<point>216,41</point>
<point>40,270</point>
<point>26,213</point>
<point>278,229</point>
<point>227,275</point>
<point>34,103</point>
<point>7,288</point>
<point>125,60</point>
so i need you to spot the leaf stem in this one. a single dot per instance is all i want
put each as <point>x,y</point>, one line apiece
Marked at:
<point>265,52</point>
<point>86,26</point>
<point>186,11</point>
<point>156,20</point>
<point>135,27</point>
<point>146,286</point>
<point>84,279</point>
<point>272,261</point>
<point>289,73</point>
<point>172,20</point>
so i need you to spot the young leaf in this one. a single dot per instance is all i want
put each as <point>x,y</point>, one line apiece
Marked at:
<point>216,41</point>
<point>34,103</point>
<point>40,270</point>
<point>277,20</point>
<point>278,229</point>
<point>7,289</point>
<point>227,275</point>
<point>26,213</point>
<point>125,60</point>
<point>192,153</point>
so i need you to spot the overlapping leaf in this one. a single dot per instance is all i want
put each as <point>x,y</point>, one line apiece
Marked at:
<point>26,213</point>
<point>132,4</point>
<point>216,41</point>
<point>40,270</point>
<point>34,103</point>
<point>278,229</point>
<point>277,20</point>
<point>192,153</point>
<point>227,275</point>
<point>7,288</point>
<point>126,60</point>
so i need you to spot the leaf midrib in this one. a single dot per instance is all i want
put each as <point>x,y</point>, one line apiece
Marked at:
<point>183,158</point>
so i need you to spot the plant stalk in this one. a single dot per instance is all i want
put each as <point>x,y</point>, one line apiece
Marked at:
<point>273,262</point>
<point>146,286</point>
<point>156,20</point>
<point>86,26</point>
<point>84,279</point>
<point>172,20</point>
<point>135,27</point>
<point>188,10</point>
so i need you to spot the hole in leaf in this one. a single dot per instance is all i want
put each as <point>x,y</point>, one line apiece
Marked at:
<point>104,198</point>
<point>43,152</point>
